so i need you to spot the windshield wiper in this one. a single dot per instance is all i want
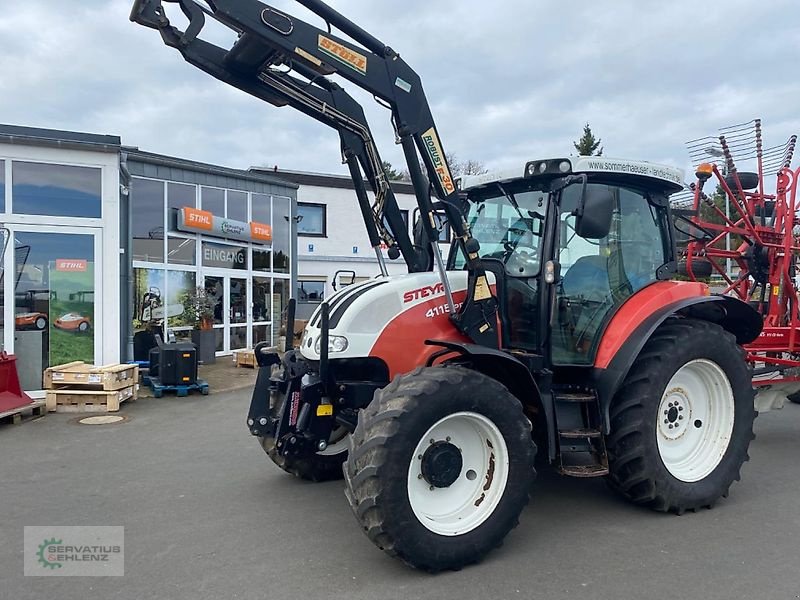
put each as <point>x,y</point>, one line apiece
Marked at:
<point>511,199</point>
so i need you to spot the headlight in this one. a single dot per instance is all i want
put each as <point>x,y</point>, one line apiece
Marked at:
<point>336,343</point>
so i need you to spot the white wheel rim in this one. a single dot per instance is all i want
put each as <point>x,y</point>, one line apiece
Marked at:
<point>474,495</point>
<point>695,420</point>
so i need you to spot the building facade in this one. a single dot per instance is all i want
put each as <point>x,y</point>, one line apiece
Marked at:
<point>60,198</point>
<point>102,241</point>
<point>225,231</point>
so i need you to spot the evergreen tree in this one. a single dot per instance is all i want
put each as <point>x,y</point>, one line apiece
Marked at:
<point>391,172</point>
<point>588,145</point>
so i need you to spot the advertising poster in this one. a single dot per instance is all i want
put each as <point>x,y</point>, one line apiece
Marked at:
<point>147,297</point>
<point>180,290</point>
<point>71,318</point>
<point>159,295</point>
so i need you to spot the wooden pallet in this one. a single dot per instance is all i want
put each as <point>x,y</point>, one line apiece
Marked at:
<point>245,358</point>
<point>72,400</point>
<point>81,375</point>
<point>180,390</point>
<point>16,415</point>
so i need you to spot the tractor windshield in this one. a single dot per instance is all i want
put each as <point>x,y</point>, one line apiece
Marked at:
<point>508,222</point>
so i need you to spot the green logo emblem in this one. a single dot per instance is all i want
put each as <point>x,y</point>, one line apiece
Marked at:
<point>43,558</point>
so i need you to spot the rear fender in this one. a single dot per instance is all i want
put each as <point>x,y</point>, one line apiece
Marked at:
<point>731,314</point>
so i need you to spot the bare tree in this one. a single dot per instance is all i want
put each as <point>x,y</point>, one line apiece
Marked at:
<point>457,167</point>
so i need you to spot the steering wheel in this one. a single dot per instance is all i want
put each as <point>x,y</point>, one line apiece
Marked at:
<point>521,261</point>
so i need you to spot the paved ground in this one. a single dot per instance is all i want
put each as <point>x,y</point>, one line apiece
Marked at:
<point>206,516</point>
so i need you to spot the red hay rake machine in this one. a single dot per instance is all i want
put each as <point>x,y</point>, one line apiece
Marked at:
<point>747,237</point>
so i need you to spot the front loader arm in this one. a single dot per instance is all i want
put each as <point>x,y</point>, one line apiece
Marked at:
<point>269,38</point>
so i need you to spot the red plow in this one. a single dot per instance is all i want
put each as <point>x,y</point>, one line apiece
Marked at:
<point>745,235</point>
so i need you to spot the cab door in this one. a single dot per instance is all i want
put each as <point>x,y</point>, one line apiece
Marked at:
<point>599,275</point>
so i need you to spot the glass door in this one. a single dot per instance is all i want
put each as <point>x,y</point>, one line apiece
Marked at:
<point>51,277</point>
<point>215,287</point>
<point>237,313</point>
<point>262,301</point>
<point>231,307</point>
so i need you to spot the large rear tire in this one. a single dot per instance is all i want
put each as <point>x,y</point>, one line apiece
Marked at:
<point>322,466</point>
<point>682,422</point>
<point>440,467</point>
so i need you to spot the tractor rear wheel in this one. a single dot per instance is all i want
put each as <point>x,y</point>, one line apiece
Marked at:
<point>682,422</point>
<point>322,466</point>
<point>440,467</point>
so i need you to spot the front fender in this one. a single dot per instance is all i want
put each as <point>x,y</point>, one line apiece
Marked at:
<point>508,370</point>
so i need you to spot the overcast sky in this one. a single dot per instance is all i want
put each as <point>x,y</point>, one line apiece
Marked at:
<point>508,81</point>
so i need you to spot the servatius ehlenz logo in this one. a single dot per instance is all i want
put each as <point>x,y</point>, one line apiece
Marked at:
<point>70,551</point>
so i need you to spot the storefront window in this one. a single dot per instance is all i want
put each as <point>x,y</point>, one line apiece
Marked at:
<point>147,226</point>
<point>281,234</point>
<point>237,206</point>
<point>178,196</point>
<point>58,190</point>
<point>261,260</point>
<point>224,256</point>
<point>2,186</point>
<point>180,289</point>
<point>212,200</point>
<point>260,209</point>
<point>54,300</point>
<point>181,251</point>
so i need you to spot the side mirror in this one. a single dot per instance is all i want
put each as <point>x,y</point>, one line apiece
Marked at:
<point>594,213</point>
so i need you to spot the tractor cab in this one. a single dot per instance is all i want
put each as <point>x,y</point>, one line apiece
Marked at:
<point>598,228</point>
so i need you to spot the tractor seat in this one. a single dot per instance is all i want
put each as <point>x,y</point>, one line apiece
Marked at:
<point>588,278</point>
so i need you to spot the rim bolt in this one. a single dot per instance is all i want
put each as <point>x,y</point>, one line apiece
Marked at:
<point>419,476</point>
<point>431,488</point>
<point>680,408</point>
<point>666,421</point>
<point>433,441</point>
<point>671,405</point>
<point>670,426</point>
<point>680,417</point>
<point>666,412</point>
<point>419,457</point>
<point>447,439</point>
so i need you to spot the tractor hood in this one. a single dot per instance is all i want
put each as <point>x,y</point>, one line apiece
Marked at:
<point>372,317</point>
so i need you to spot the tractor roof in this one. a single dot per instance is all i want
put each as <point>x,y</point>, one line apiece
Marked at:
<point>659,174</point>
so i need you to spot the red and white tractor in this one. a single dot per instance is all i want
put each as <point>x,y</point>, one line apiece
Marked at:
<point>553,325</point>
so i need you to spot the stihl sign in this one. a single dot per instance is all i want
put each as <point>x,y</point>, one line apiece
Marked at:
<point>193,220</point>
<point>423,292</point>
<point>74,265</point>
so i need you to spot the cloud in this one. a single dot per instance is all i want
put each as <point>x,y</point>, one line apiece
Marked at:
<point>507,82</point>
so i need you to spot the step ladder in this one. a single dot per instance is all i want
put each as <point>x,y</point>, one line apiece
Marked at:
<point>581,444</point>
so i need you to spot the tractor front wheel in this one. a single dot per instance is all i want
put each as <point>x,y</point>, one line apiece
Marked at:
<point>440,467</point>
<point>325,465</point>
<point>682,421</point>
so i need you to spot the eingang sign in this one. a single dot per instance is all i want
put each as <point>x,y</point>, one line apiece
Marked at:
<point>193,220</point>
